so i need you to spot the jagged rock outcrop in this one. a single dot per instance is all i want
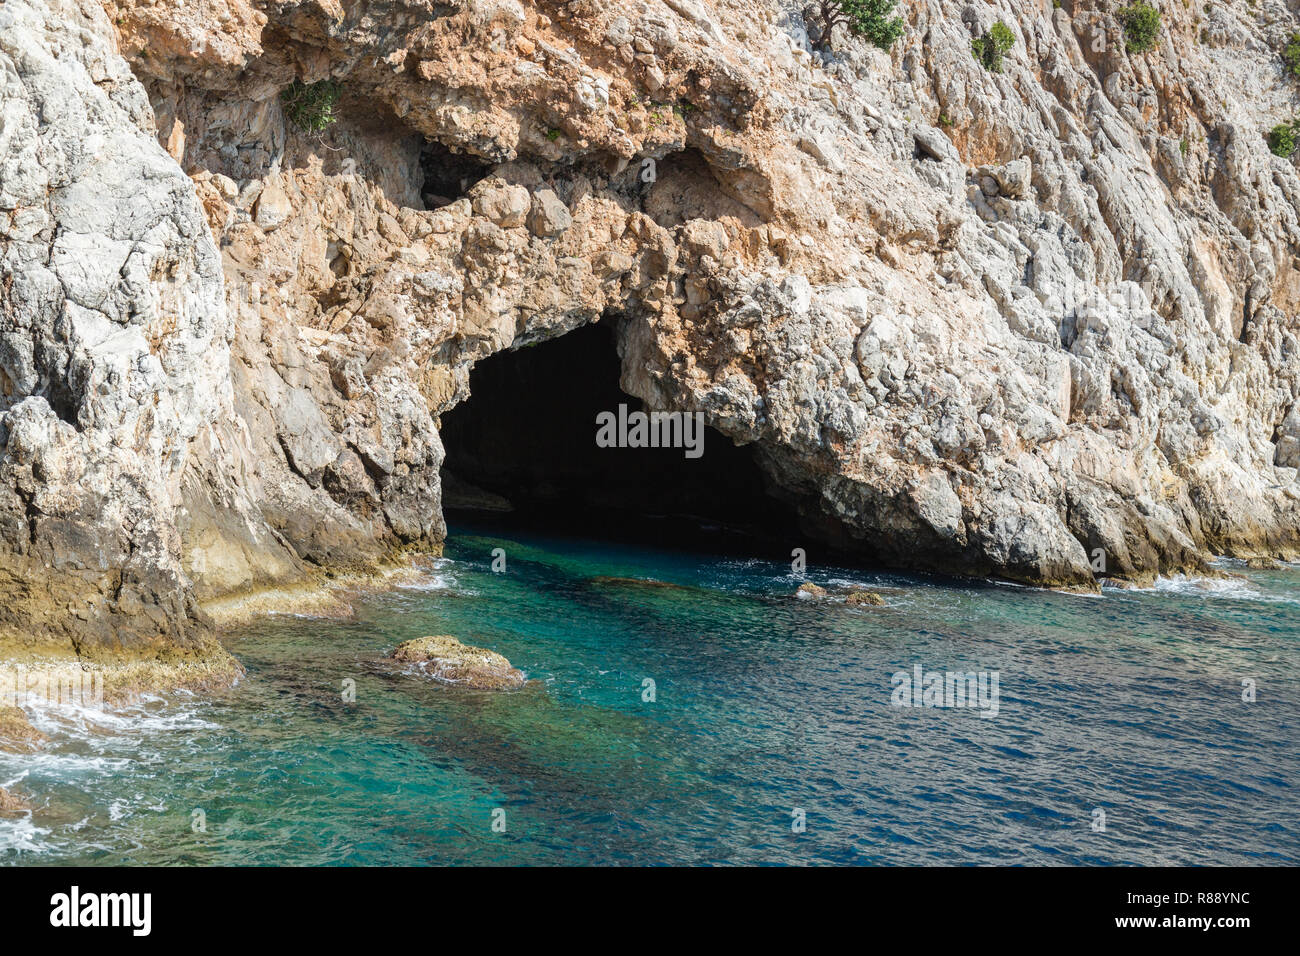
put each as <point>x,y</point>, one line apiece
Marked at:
<point>996,323</point>
<point>113,343</point>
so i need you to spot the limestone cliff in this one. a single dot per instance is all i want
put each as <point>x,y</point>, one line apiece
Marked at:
<point>987,322</point>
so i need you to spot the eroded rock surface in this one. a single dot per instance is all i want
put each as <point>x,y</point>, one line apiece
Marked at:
<point>446,659</point>
<point>12,805</point>
<point>864,599</point>
<point>17,735</point>
<point>994,323</point>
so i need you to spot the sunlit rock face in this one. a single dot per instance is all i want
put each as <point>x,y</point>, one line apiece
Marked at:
<point>114,339</point>
<point>1006,324</point>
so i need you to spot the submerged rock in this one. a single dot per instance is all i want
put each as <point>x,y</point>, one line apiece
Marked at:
<point>446,659</point>
<point>649,584</point>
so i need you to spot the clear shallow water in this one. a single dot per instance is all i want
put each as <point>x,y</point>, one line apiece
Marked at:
<point>1130,702</point>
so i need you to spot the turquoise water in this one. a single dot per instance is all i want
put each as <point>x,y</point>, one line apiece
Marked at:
<point>764,705</point>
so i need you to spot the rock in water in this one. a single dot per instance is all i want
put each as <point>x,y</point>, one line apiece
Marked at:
<point>646,584</point>
<point>17,735</point>
<point>11,805</point>
<point>862,598</point>
<point>446,659</point>
<point>810,590</point>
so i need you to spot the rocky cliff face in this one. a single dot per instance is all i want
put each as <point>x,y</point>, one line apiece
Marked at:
<point>993,323</point>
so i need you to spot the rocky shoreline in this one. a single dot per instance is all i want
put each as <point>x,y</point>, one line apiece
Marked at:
<point>1036,324</point>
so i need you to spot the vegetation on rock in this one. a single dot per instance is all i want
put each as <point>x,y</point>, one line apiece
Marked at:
<point>1291,55</point>
<point>1282,139</point>
<point>870,19</point>
<point>310,106</point>
<point>1141,23</point>
<point>990,48</point>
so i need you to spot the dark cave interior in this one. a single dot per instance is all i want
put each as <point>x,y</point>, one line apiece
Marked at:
<point>448,176</point>
<point>528,434</point>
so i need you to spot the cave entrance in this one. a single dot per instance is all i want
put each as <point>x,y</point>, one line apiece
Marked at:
<point>448,176</point>
<point>522,453</point>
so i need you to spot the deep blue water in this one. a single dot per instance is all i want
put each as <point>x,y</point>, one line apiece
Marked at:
<point>764,706</point>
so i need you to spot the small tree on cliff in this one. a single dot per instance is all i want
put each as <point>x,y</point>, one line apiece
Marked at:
<point>993,46</point>
<point>1141,23</point>
<point>864,18</point>
<point>1291,55</point>
<point>1282,139</point>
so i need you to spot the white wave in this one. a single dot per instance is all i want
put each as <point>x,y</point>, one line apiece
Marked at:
<point>851,583</point>
<point>440,578</point>
<point>86,747</point>
<point>433,581</point>
<point>68,765</point>
<point>20,836</point>
<point>1198,586</point>
<point>1023,586</point>
<point>148,715</point>
<point>1210,587</point>
<point>744,563</point>
<point>879,583</point>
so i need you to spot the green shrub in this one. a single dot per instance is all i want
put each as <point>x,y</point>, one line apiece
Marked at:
<point>1282,139</point>
<point>1141,23</point>
<point>990,48</point>
<point>1291,55</point>
<point>310,107</point>
<point>864,18</point>
<point>1002,36</point>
